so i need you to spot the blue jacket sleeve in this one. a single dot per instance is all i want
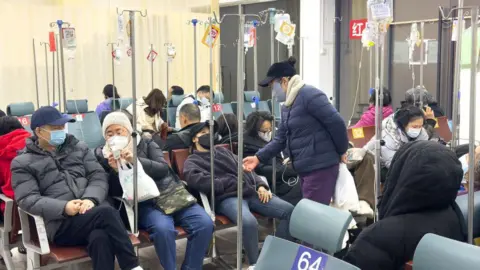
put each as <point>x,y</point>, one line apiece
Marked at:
<point>320,108</point>
<point>273,148</point>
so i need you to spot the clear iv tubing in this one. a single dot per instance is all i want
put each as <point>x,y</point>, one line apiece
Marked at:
<point>358,86</point>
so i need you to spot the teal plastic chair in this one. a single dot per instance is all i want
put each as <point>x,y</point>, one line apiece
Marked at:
<point>462,202</point>
<point>125,102</point>
<point>219,98</point>
<point>87,128</point>
<point>248,95</point>
<point>440,253</point>
<point>176,100</point>
<point>20,109</point>
<point>314,223</point>
<point>226,108</point>
<point>23,112</point>
<point>319,225</point>
<point>77,106</point>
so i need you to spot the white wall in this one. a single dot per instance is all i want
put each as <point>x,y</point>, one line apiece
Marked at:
<point>317,30</point>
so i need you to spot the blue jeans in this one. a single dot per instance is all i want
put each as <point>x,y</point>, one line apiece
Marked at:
<point>161,227</point>
<point>275,208</point>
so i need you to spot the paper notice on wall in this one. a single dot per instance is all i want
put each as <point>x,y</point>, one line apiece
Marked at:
<point>455,30</point>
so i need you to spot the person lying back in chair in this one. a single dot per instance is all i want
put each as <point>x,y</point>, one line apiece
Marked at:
<point>256,195</point>
<point>58,178</point>
<point>174,206</point>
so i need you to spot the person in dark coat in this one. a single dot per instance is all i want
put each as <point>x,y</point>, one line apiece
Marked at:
<point>258,133</point>
<point>419,198</point>
<point>256,194</point>
<point>311,130</point>
<point>189,116</point>
<point>58,178</point>
<point>227,128</point>
<point>159,223</point>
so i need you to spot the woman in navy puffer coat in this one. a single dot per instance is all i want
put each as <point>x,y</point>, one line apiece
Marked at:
<point>311,130</point>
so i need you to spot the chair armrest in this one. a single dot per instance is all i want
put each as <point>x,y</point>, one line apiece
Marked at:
<point>206,205</point>
<point>41,246</point>
<point>7,216</point>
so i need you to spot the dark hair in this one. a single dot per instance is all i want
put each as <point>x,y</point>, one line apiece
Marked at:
<point>155,101</point>
<point>9,124</point>
<point>255,121</point>
<point>191,111</point>
<point>404,115</point>
<point>226,121</point>
<point>110,91</point>
<point>205,89</point>
<point>177,90</point>
<point>292,61</point>
<point>2,113</point>
<point>387,98</point>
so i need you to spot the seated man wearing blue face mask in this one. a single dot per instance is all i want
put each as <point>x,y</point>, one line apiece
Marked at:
<point>58,178</point>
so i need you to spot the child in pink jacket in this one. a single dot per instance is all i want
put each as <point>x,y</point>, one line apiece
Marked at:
<point>368,117</point>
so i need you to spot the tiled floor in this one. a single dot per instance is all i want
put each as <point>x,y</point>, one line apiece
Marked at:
<point>226,243</point>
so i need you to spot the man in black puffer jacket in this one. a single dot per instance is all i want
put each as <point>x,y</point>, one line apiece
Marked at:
<point>58,178</point>
<point>419,198</point>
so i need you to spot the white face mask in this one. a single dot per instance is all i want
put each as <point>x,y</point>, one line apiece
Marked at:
<point>414,132</point>
<point>266,136</point>
<point>204,101</point>
<point>117,144</point>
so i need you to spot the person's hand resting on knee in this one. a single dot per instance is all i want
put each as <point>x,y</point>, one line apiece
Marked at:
<point>264,195</point>
<point>86,205</point>
<point>73,207</point>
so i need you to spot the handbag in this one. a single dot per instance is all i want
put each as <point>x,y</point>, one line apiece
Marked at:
<point>146,187</point>
<point>174,197</point>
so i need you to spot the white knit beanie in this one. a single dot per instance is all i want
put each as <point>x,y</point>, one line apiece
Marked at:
<point>116,118</point>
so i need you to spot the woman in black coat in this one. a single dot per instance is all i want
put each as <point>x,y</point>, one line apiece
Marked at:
<point>258,132</point>
<point>419,198</point>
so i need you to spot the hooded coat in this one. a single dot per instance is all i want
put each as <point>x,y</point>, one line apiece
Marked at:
<point>419,198</point>
<point>10,144</point>
<point>393,138</point>
<point>45,181</point>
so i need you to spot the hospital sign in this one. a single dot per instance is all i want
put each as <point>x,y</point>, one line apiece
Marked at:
<point>356,28</point>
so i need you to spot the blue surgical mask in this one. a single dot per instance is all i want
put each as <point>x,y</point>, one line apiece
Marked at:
<point>414,132</point>
<point>278,92</point>
<point>57,137</point>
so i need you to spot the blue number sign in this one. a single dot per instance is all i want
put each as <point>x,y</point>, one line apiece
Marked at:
<point>309,259</point>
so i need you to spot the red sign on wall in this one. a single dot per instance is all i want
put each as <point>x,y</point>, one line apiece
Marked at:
<point>356,28</point>
<point>217,107</point>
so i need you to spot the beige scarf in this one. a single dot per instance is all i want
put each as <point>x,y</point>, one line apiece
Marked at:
<point>294,85</point>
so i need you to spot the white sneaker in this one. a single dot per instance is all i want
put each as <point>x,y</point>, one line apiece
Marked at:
<point>251,267</point>
<point>138,268</point>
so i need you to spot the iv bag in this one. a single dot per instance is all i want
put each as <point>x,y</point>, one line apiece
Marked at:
<point>368,36</point>
<point>280,19</point>
<point>120,28</point>
<point>171,53</point>
<point>69,42</point>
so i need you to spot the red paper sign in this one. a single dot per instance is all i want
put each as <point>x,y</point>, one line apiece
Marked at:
<point>78,117</point>
<point>25,121</point>
<point>51,41</point>
<point>217,107</point>
<point>356,28</point>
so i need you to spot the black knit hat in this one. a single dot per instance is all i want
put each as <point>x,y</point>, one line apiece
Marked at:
<point>280,70</point>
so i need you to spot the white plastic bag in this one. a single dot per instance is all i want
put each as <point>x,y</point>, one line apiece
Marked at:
<point>346,196</point>
<point>147,189</point>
